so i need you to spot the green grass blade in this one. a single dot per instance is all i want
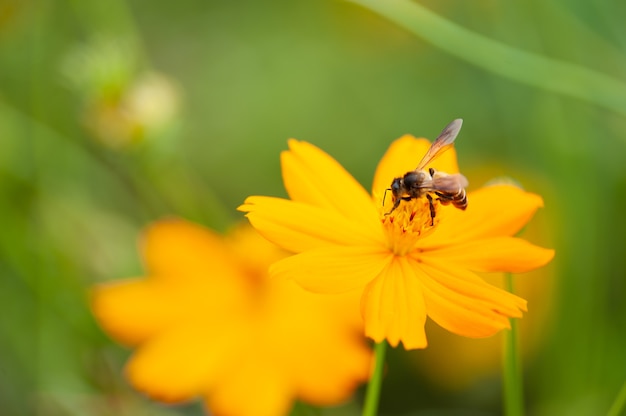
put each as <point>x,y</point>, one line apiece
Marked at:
<point>529,68</point>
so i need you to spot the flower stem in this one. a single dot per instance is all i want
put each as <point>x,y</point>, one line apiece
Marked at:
<point>512,371</point>
<point>373,387</point>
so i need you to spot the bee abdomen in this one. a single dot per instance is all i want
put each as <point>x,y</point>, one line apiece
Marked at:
<point>459,200</point>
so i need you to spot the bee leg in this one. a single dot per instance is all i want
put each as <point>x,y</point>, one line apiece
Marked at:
<point>432,209</point>
<point>397,202</point>
<point>395,205</point>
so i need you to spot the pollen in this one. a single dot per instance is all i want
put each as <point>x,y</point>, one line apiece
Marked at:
<point>408,223</point>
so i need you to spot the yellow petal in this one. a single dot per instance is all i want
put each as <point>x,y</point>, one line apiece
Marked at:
<point>197,268</point>
<point>498,254</point>
<point>463,304</point>
<point>297,227</point>
<point>253,252</point>
<point>404,155</point>
<point>492,211</point>
<point>331,375</point>
<point>253,387</point>
<point>393,306</point>
<point>311,176</point>
<point>334,269</point>
<point>177,249</point>
<point>183,362</point>
<point>130,310</point>
<point>322,372</point>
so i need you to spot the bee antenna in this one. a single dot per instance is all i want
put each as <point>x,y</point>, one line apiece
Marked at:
<point>385,195</point>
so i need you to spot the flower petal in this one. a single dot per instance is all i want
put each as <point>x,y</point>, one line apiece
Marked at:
<point>498,254</point>
<point>331,370</point>
<point>492,211</point>
<point>254,387</point>
<point>298,227</point>
<point>177,249</point>
<point>462,303</point>
<point>311,176</point>
<point>182,363</point>
<point>331,375</point>
<point>133,311</point>
<point>130,310</point>
<point>333,269</point>
<point>393,306</point>
<point>404,155</point>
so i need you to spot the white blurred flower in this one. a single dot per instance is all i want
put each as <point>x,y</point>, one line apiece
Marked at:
<point>123,104</point>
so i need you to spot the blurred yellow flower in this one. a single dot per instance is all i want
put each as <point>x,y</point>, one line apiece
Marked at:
<point>207,321</point>
<point>405,266</point>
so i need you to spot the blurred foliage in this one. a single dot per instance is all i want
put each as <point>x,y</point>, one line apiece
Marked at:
<point>242,77</point>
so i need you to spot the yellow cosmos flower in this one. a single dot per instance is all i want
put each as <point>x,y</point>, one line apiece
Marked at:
<point>207,321</point>
<point>406,266</point>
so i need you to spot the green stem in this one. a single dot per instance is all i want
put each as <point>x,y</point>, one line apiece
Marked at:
<point>372,394</point>
<point>512,372</point>
<point>619,403</point>
<point>525,67</point>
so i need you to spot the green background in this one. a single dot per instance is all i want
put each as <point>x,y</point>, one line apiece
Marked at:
<point>251,74</point>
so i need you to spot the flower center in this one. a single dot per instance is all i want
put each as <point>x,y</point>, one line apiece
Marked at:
<point>410,221</point>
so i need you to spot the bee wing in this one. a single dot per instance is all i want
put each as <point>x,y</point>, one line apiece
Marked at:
<point>443,142</point>
<point>449,183</point>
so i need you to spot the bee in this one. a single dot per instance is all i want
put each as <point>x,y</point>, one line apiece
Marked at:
<point>418,183</point>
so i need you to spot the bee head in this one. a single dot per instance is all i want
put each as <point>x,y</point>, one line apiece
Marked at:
<point>396,187</point>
